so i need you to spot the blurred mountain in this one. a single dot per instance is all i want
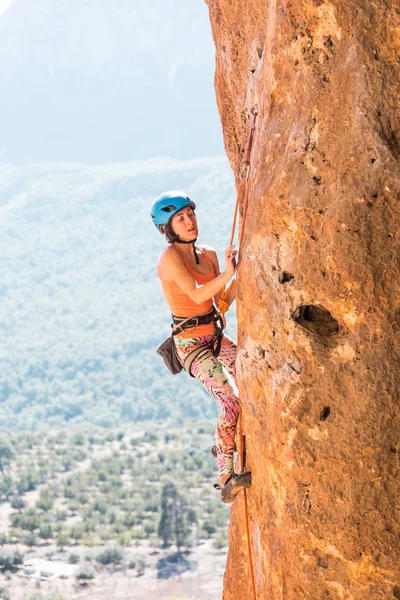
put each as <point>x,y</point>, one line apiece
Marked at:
<point>98,81</point>
<point>81,308</point>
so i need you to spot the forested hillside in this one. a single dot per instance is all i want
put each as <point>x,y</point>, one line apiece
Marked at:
<point>81,307</point>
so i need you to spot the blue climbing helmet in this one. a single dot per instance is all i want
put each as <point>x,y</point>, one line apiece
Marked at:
<point>167,205</point>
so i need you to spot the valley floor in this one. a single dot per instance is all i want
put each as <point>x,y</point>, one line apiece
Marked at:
<point>200,577</point>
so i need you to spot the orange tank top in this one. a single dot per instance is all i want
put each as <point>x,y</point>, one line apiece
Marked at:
<point>181,305</point>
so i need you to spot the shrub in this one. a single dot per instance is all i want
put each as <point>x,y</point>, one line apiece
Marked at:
<point>152,504</point>
<point>10,559</point>
<point>85,573</point>
<point>7,452</point>
<point>61,515</point>
<point>149,527</point>
<point>62,540</point>
<point>91,539</point>
<point>110,555</point>
<point>77,531</point>
<point>78,439</point>
<point>209,527</point>
<point>28,481</point>
<point>6,486</point>
<point>221,540</point>
<point>138,533</point>
<point>29,520</point>
<point>46,500</point>
<point>30,540</point>
<point>100,505</point>
<point>17,503</point>
<point>141,565</point>
<point>125,538</point>
<point>129,520</point>
<point>74,558</point>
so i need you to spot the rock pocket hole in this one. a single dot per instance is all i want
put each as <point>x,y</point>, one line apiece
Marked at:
<point>325,413</point>
<point>316,319</point>
<point>285,277</point>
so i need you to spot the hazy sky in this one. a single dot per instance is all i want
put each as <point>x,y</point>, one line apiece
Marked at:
<point>4,4</point>
<point>96,81</point>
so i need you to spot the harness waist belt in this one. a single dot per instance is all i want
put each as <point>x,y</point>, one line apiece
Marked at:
<point>181,323</point>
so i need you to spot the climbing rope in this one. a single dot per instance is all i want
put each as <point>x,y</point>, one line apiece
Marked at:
<point>241,451</point>
<point>223,307</point>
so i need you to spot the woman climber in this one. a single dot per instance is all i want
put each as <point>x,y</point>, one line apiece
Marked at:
<point>191,282</point>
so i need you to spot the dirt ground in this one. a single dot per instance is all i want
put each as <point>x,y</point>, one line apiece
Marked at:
<point>199,579</point>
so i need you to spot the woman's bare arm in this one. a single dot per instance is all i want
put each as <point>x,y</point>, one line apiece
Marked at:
<point>232,292</point>
<point>231,297</point>
<point>172,267</point>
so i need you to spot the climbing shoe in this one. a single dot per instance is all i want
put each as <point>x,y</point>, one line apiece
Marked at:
<point>233,485</point>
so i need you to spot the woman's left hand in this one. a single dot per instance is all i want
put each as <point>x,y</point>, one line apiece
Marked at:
<point>230,260</point>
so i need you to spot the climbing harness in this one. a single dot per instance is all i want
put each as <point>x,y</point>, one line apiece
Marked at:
<point>167,350</point>
<point>223,307</point>
<point>181,323</point>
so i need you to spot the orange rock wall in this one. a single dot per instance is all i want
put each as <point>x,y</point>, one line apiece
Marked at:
<point>319,301</point>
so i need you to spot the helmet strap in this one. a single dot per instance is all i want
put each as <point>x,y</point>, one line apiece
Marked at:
<point>172,238</point>
<point>194,247</point>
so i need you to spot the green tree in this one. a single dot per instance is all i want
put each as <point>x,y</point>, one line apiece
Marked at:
<point>6,486</point>
<point>29,519</point>
<point>46,499</point>
<point>100,505</point>
<point>62,540</point>
<point>7,452</point>
<point>174,524</point>
<point>28,481</point>
<point>77,532</point>
<point>17,503</point>
<point>209,527</point>
<point>46,531</point>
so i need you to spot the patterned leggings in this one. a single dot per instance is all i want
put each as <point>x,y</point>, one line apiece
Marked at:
<point>217,375</point>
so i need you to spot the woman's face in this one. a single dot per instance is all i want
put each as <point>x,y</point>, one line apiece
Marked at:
<point>184,223</point>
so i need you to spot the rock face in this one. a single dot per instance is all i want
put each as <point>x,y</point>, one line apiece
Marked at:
<point>319,298</point>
